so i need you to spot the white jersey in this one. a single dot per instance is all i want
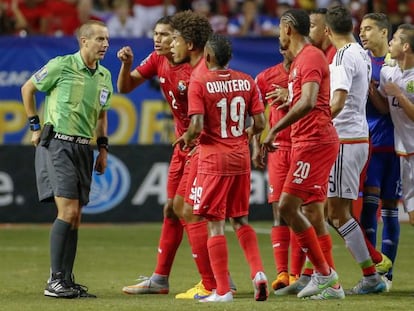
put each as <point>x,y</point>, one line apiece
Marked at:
<point>350,71</point>
<point>403,125</point>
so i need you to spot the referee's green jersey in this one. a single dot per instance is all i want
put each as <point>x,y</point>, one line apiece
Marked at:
<point>74,96</point>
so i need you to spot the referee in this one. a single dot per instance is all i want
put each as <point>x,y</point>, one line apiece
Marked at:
<point>78,91</point>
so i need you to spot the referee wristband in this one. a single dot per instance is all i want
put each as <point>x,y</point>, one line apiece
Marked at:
<point>34,123</point>
<point>102,142</point>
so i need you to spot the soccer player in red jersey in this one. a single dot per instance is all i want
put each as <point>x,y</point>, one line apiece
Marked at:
<point>318,34</point>
<point>219,102</point>
<point>272,83</point>
<point>191,31</point>
<point>174,79</point>
<point>312,133</point>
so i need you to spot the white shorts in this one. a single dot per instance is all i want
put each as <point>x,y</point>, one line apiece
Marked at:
<point>407,180</point>
<point>345,173</point>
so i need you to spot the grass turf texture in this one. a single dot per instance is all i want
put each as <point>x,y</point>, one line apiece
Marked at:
<point>111,256</point>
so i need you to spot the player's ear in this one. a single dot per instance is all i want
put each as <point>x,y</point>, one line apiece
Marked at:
<point>328,31</point>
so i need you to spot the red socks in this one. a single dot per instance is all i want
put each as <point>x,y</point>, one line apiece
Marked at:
<point>218,253</point>
<point>280,237</point>
<point>248,242</point>
<point>170,239</point>
<point>198,235</point>
<point>309,243</point>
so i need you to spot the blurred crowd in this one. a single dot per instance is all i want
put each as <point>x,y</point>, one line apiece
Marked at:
<point>135,18</point>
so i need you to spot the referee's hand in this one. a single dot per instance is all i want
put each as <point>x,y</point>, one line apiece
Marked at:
<point>101,161</point>
<point>36,137</point>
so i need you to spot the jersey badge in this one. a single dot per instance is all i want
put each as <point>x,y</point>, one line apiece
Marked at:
<point>103,97</point>
<point>40,74</point>
<point>182,86</point>
<point>410,87</point>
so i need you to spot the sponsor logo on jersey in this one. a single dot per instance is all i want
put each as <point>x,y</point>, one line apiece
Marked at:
<point>109,189</point>
<point>298,180</point>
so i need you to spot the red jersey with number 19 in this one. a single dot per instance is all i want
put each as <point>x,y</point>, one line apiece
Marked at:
<point>225,98</point>
<point>310,65</point>
<point>174,80</point>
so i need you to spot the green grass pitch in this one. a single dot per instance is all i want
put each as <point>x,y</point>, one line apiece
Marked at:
<point>111,256</point>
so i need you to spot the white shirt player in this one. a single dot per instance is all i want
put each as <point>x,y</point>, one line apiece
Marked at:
<point>403,125</point>
<point>351,70</point>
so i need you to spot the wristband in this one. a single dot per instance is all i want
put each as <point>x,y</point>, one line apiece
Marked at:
<point>102,142</point>
<point>34,123</point>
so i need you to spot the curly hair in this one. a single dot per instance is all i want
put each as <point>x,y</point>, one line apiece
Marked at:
<point>193,27</point>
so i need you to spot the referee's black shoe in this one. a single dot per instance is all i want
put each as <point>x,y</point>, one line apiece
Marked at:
<point>83,290</point>
<point>57,287</point>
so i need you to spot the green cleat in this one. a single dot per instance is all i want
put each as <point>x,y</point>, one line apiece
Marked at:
<point>384,265</point>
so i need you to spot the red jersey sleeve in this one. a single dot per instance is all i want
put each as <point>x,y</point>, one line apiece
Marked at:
<point>149,66</point>
<point>257,105</point>
<point>195,98</point>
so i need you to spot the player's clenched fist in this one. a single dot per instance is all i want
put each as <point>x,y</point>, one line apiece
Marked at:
<point>125,54</point>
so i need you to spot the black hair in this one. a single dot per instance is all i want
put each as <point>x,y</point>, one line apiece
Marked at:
<point>380,19</point>
<point>339,19</point>
<point>221,47</point>
<point>193,27</point>
<point>298,19</point>
<point>407,34</point>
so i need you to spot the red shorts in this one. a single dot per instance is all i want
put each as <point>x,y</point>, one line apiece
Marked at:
<point>278,164</point>
<point>219,197</point>
<point>308,175</point>
<point>187,181</point>
<point>175,171</point>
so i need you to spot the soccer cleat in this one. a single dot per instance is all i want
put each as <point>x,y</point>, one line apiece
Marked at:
<point>214,297</point>
<point>330,293</point>
<point>83,290</point>
<point>196,292</point>
<point>384,265</point>
<point>318,283</point>
<point>282,280</point>
<point>260,286</point>
<point>369,285</point>
<point>295,288</point>
<point>146,285</point>
<point>293,278</point>
<point>58,288</point>
<point>388,283</point>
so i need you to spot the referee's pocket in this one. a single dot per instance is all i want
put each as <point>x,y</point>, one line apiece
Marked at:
<point>46,135</point>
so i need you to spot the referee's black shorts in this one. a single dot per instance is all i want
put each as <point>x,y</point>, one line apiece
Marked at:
<point>64,169</point>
